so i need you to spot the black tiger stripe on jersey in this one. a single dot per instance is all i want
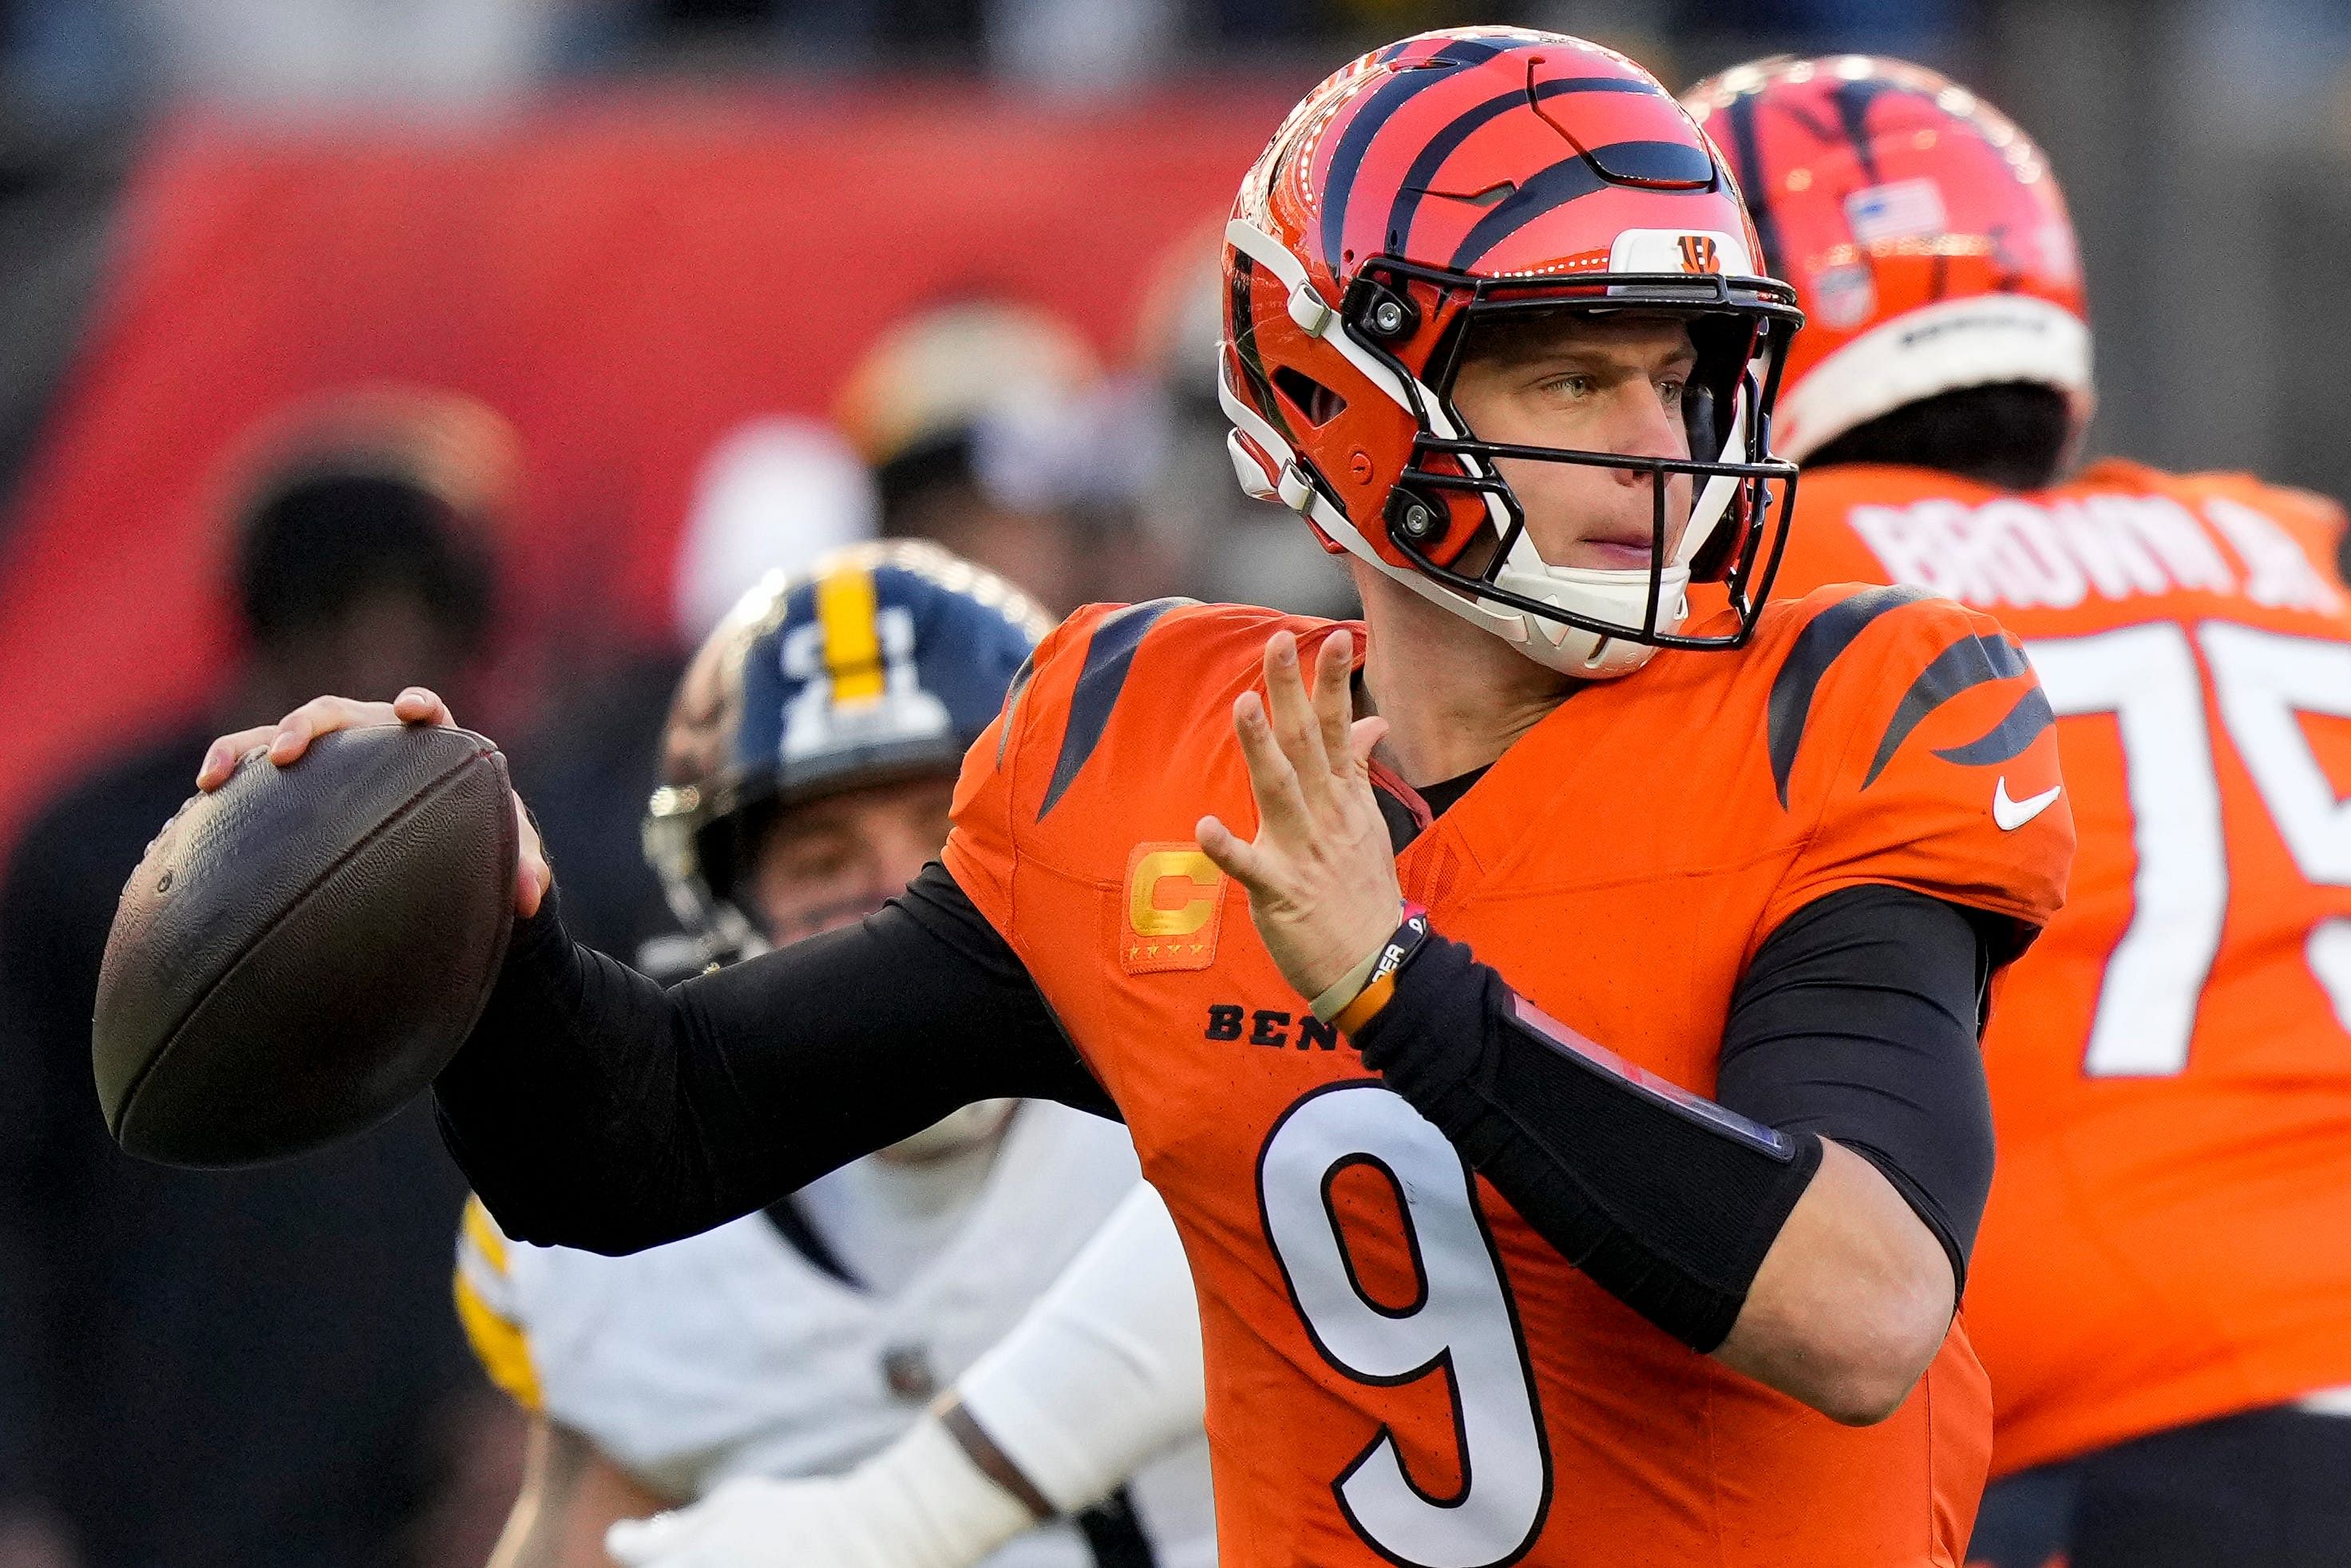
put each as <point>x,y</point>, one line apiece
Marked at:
<point>1966,664</point>
<point>2010,737</point>
<point>1109,656</point>
<point>1818,646</point>
<point>1021,678</point>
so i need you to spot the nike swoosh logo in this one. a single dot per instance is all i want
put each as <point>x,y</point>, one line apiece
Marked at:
<point>2014,814</point>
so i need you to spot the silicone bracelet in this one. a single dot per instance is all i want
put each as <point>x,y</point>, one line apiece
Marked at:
<point>1392,957</point>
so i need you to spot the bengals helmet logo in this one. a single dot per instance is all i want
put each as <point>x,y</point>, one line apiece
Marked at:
<point>1699,253</point>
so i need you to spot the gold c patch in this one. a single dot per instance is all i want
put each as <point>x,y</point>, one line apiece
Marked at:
<point>1174,906</point>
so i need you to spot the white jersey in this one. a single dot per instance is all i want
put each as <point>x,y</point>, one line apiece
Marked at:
<point>736,1352</point>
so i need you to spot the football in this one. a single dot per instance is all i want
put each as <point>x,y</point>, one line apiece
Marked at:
<point>302,950</point>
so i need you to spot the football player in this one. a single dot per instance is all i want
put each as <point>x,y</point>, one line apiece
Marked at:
<point>808,764</point>
<point>1549,1010</point>
<point>2162,1288</point>
<point>1100,1380</point>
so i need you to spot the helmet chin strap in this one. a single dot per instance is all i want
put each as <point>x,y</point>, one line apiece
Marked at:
<point>1620,596</point>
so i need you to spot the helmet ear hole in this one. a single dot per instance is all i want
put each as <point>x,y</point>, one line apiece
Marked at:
<point>1317,405</point>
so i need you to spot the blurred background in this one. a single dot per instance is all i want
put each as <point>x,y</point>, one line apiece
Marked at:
<point>504,342</point>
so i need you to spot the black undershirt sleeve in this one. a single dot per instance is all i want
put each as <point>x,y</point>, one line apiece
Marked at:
<point>1857,1021</point>
<point>592,1108</point>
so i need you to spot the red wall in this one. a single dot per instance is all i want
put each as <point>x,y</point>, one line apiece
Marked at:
<point>625,282</point>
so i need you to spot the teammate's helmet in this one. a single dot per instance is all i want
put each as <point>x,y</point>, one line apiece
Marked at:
<point>1446,179</point>
<point>1927,241</point>
<point>884,663</point>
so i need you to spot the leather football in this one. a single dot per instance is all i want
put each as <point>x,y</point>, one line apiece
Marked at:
<point>303,950</point>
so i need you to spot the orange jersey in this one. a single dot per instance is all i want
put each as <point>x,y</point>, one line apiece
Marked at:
<point>1399,1369</point>
<point>2169,1232</point>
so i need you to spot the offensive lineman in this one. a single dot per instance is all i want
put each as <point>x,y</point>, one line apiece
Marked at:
<point>807,767</point>
<point>2162,1288</point>
<point>1475,1289</point>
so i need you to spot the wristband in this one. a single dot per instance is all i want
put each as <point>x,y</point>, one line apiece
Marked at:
<point>992,1461</point>
<point>1335,995</point>
<point>1386,964</point>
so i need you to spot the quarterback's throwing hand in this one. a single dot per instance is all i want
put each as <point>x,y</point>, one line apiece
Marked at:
<point>290,736</point>
<point>1321,873</point>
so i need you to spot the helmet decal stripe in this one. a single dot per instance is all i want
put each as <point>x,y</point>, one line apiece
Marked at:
<point>1442,145</point>
<point>1569,178</point>
<point>1747,164</point>
<point>1347,158</point>
<point>1253,377</point>
<point>850,615</point>
<point>1818,647</point>
<point>1970,663</point>
<point>1853,100</point>
<point>1108,655</point>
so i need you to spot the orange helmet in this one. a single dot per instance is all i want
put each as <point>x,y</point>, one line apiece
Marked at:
<point>1927,241</point>
<point>1463,173</point>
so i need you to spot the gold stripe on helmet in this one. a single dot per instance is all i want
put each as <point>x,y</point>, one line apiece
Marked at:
<point>847,609</point>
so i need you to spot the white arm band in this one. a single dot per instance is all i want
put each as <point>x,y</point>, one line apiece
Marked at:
<point>1104,1372</point>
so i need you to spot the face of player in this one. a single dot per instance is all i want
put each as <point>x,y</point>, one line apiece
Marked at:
<point>837,860</point>
<point>1595,383</point>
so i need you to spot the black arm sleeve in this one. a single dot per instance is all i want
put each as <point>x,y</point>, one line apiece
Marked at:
<point>1669,1201</point>
<point>1859,1020</point>
<point>594,1109</point>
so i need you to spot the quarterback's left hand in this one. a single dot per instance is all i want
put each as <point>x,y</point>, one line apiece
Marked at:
<point>1321,874</point>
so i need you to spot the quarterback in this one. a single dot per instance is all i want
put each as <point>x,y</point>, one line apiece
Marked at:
<point>2162,1290</point>
<point>1549,1010</point>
